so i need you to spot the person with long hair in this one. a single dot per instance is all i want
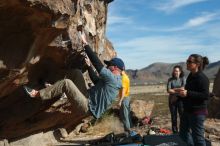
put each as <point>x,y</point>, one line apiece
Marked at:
<point>195,97</point>
<point>176,82</point>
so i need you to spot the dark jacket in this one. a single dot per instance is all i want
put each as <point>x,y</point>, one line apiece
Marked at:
<point>96,63</point>
<point>197,86</point>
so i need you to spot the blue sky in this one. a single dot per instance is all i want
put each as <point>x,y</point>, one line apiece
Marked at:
<point>148,31</point>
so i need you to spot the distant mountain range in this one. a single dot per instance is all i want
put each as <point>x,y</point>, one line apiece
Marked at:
<point>160,72</point>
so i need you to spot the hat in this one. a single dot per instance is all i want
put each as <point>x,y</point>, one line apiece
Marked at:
<point>115,62</point>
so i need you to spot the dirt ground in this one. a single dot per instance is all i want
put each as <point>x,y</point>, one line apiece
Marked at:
<point>160,117</point>
<point>156,89</point>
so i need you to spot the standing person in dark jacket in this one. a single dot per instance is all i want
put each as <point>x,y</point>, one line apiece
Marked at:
<point>99,97</point>
<point>195,96</point>
<point>176,82</point>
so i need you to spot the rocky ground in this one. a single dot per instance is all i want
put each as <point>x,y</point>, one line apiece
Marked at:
<point>160,114</point>
<point>160,118</point>
<point>110,122</point>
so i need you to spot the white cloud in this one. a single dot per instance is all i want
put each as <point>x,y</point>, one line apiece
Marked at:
<point>162,44</point>
<point>201,20</point>
<point>114,19</point>
<point>118,20</point>
<point>197,21</point>
<point>140,44</point>
<point>173,5</point>
<point>140,52</point>
<point>191,23</point>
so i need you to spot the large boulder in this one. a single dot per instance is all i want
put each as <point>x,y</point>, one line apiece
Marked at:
<point>142,109</point>
<point>216,87</point>
<point>214,102</point>
<point>34,47</point>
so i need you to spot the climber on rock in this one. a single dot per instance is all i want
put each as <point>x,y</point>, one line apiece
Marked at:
<point>99,97</point>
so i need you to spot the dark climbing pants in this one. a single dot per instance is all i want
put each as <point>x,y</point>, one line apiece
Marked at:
<point>195,123</point>
<point>175,107</point>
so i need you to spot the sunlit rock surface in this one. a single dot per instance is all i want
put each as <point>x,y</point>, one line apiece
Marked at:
<point>34,38</point>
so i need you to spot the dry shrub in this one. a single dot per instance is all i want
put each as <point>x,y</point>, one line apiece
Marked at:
<point>109,123</point>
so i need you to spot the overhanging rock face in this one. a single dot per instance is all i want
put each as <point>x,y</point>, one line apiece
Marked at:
<point>33,49</point>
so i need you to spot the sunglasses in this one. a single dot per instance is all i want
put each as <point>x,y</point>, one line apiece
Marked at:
<point>190,61</point>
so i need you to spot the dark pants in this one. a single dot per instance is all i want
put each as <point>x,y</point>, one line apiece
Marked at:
<point>174,107</point>
<point>195,123</point>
